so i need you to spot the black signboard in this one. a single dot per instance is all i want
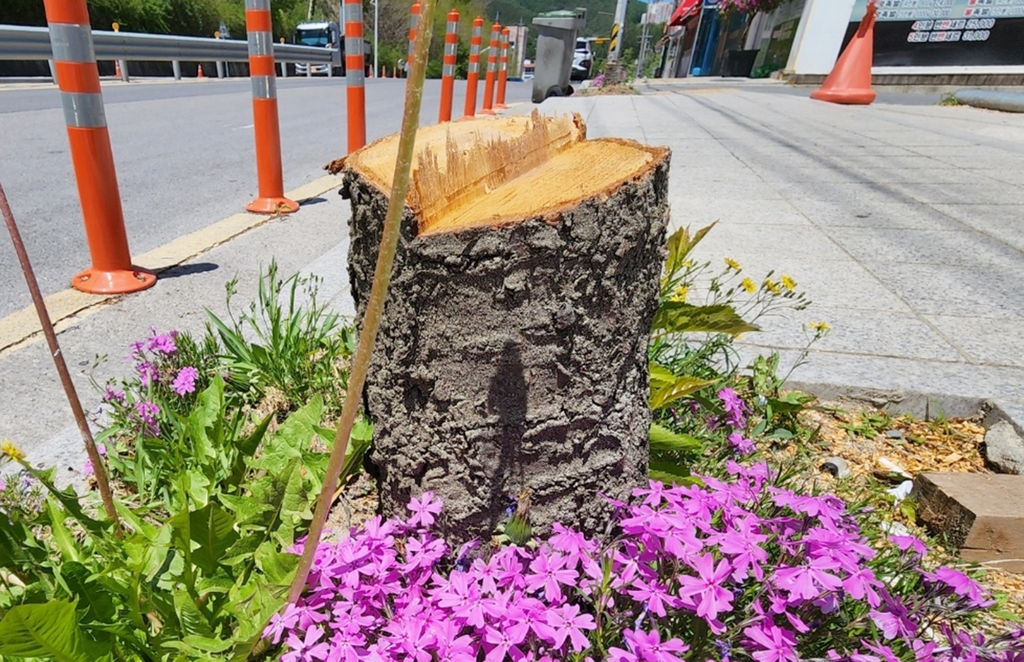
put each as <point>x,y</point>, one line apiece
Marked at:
<point>928,33</point>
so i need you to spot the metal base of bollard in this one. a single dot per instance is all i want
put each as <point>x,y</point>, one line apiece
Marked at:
<point>272,206</point>
<point>118,281</point>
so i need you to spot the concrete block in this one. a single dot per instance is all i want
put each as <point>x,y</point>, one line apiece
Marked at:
<point>1004,449</point>
<point>982,515</point>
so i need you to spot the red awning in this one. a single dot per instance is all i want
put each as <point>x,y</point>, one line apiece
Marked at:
<point>685,9</point>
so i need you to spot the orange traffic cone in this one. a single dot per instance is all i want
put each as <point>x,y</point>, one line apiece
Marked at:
<point>117,68</point>
<point>850,80</point>
<point>199,74</point>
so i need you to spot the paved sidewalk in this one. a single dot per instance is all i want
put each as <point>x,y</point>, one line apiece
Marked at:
<point>903,222</point>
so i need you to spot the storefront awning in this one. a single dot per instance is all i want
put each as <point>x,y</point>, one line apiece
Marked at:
<point>685,10</point>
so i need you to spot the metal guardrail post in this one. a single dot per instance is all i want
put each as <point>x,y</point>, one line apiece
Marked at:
<point>176,68</point>
<point>260,31</point>
<point>502,70</point>
<point>53,71</point>
<point>451,47</point>
<point>492,70</point>
<point>112,271</point>
<point>355,72</point>
<point>473,76</point>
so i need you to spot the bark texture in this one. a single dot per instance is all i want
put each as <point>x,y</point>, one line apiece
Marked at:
<point>514,359</point>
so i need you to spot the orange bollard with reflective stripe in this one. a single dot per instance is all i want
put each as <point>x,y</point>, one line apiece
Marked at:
<point>414,21</point>
<point>492,69</point>
<point>354,73</point>
<point>473,76</point>
<point>263,74</point>
<point>502,70</point>
<point>74,59</point>
<point>451,46</point>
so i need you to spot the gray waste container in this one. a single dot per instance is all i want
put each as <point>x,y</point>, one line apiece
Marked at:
<point>556,43</point>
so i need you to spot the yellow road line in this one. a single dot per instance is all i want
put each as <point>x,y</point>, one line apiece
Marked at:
<point>22,327</point>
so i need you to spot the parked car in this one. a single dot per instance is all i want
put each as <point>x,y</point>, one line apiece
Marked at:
<point>582,60</point>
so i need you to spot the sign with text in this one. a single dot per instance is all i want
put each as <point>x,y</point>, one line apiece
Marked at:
<point>922,33</point>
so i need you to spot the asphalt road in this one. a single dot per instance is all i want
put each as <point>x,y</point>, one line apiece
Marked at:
<point>184,154</point>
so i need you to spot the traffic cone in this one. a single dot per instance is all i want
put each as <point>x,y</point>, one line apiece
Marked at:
<point>199,74</point>
<point>850,80</point>
<point>117,68</point>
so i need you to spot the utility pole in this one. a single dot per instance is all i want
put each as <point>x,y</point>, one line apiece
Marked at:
<point>618,28</point>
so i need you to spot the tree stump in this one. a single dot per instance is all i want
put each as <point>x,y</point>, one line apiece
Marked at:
<point>512,357</point>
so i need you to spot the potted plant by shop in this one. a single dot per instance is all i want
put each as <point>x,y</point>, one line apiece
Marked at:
<point>740,62</point>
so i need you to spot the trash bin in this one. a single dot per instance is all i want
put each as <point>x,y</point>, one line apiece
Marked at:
<point>556,43</point>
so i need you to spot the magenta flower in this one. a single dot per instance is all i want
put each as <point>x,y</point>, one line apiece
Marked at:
<point>566,622</point>
<point>776,644</point>
<point>185,382</point>
<point>648,646</point>
<point>424,509</point>
<point>735,409</point>
<point>162,343</point>
<point>705,594</point>
<point>960,584</point>
<point>741,444</point>
<point>148,411</point>
<point>547,571</point>
<point>309,648</point>
<point>911,543</point>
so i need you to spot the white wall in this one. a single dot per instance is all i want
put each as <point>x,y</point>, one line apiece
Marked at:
<point>816,45</point>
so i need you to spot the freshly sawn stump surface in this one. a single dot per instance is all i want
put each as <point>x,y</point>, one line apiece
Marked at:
<point>512,358</point>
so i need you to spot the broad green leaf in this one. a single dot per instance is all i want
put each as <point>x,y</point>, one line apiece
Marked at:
<point>89,592</point>
<point>211,528</point>
<point>660,376</point>
<point>278,567</point>
<point>246,450</point>
<point>682,317</point>
<point>669,473</point>
<point>663,439</point>
<point>680,244</point>
<point>19,547</point>
<point>68,498</point>
<point>189,616</point>
<point>680,387</point>
<point>49,631</point>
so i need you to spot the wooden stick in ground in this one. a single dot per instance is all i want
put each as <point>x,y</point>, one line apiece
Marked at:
<point>378,294</point>
<point>58,360</point>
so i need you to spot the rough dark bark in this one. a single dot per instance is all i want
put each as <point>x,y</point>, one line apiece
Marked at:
<point>515,358</point>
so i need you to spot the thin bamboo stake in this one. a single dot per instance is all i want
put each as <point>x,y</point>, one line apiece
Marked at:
<point>378,294</point>
<point>62,366</point>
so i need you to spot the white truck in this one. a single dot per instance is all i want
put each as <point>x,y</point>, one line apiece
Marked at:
<point>327,34</point>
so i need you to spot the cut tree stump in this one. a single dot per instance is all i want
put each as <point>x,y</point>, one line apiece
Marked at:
<point>512,357</point>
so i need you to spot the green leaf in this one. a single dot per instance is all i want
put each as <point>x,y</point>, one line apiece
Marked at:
<point>211,528</point>
<point>278,567</point>
<point>680,244</point>
<point>49,631</point>
<point>663,439</point>
<point>68,498</point>
<point>189,616</point>
<point>679,388</point>
<point>79,581</point>
<point>670,472</point>
<point>682,317</point>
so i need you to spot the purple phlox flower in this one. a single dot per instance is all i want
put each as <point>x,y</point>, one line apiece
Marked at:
<point>185,381</point>
<point>735,409</point>
<point>571,543</point>
<point>776,644</point>
<point>741,444</point>
<point>894,619</point>
<point>347,646</point>
<point>3,484</point>
<point>648,646</point>
<point>960,584</point>
<point>87,469</point>
<point>309,648</point>
<point>148,411</point>
<point>411,637</point>
<point>423,552</point>
<point>863,585</point>
<point>566,622</point>
<point>110,394</point>
<point>547,571</point>
<point>742,544</point>
<point>452,646</point>
<point>653,494</point>
<point>162,343</point>
<point>424,508</point>
<point>910,543</point>
<point>808,581</point>
<point>882,651</point>
<point>461,595</point>
<point>844,548</point>
<point>654,595</point>
<point>148,373</point>
<point>705,594</point>
<point>503,642</point>
<point>827,508</point>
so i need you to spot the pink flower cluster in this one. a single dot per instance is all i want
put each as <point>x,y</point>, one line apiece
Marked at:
<point>725,571</point>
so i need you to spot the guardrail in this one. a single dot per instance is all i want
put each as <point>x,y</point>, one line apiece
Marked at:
<point>19,42</point>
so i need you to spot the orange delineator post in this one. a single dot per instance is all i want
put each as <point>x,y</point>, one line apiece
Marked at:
<point>473,76</point>
<point>263,74</point>
<point>492,69</point>
<point>414,21</point>
<point>74,59</point>
<point>850,80</point>
<point>502,70</point>
<point>354,74</point>
<point>451,46</point>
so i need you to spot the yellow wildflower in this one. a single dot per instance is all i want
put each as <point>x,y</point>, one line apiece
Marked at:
<point>820,327</point>
<point>749,285</point>
<point>8,448</point>
<point>681,293</point>
<point>688,264</point>
<point>788,283</point>
<point>733,264</point>
<point>772,286</point>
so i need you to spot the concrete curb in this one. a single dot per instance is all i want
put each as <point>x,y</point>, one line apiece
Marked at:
<point>1010,102</point>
